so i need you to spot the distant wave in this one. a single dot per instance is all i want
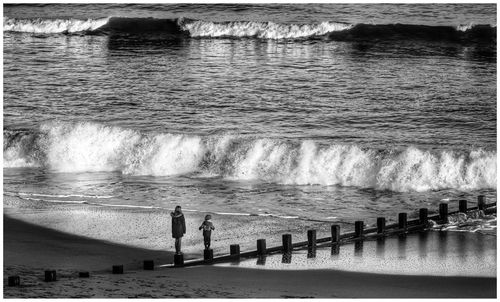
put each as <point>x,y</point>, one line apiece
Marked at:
<point>261,30</point>
<point>249,29</point>
<point>89,147</point>
<point>52,26</point>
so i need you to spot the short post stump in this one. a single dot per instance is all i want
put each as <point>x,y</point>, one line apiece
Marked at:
<point>117,269</point>
<point>50,276</point>
<point>149,265</point>
<point>178,260</point>
<point>14,281</point>
<point>208,255</point>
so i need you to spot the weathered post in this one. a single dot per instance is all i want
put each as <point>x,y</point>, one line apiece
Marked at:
<point>261,246</point>
<point>178,260</point>
<point>311,252</point>
<point>149,265</point>
<point>117,269</point>
<point>84,274</point>
<point>481,202</point>
<point>423,215</point>
<point>443,212</point>
<point>462,206</point>
<point>335,229</point>
<point>335,234</point>
<point>358,247</point>
<point>381,225</point>
<point>358,229</point>
<point>208,255</point>
<point>403,221</point>
<point>50,276</point>
<point>234,251</point>
<point>287,243</point>
<point>335,250</point>
<point>261,260</point>
<point>311,238</point>
<point>14,281</point>
<point>286,258</point>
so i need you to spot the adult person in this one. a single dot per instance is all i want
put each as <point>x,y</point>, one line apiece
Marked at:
<point>178,227</point>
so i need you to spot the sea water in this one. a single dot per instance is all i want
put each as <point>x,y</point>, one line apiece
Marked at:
<point>311,112</point>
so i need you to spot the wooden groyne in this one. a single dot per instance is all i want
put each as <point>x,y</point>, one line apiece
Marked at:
<point>335,240</point>
<point>401,227</point>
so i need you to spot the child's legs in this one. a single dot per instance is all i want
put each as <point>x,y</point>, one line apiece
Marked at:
<point>206,239</point>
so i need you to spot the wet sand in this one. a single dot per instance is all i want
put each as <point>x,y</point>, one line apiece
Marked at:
<point>30,249</point>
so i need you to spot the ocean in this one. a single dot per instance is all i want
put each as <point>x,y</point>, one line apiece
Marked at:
<point>324,113</point>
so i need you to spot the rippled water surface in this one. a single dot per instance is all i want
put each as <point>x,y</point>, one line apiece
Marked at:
<point>326,112</point>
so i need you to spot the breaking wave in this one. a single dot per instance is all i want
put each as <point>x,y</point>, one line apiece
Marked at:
<point>52,26</point>
<point>262,30</point>
<point>91,147</point>
<point>183,27</point>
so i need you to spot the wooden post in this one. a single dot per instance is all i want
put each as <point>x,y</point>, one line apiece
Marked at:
<point>261,246</point>
<point>117,269</point>
<point>311,238</point>
<point>403,221</point>
<point>358,247</point>
<point>462,206</point>
<point>84,274</point>
<point>335,249</point>
<point>208,255</point>
<point>335,233</point>
<point>14,281</point>
<point>358,229</point>
<point>50,276</point>
<point>481,202</point>
<point>443,212</point>
<point>178,260</point>
<point>234,250</point>
<point>287,243</point>
<point>335,239</point>
<point>311,243</point>
<point>286,258</point>
<point>380,225</point>
<point>311,252</point>
<point>261,260</point>
<point>423,214</point>
<point>149,265</point>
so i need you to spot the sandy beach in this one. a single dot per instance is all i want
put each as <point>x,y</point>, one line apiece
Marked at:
<point>30,249</point>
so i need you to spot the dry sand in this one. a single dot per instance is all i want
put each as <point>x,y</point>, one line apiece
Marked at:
<point>30,249</point>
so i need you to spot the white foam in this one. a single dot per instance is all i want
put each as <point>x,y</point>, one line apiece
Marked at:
<point>52,26</point>
<point>55,200</point>
<point>90,147</point>
<point>263,30</point>
<point>63,195</point>
<point>464,27</point>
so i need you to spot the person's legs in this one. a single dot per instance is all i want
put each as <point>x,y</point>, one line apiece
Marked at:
<point>178,245</point>
<point>206,240</point>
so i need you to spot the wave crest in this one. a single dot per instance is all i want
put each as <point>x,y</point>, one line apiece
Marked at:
<point>262,30</point>
<point>52,26</point>
<point>183,28</point>
<point>90,147</point>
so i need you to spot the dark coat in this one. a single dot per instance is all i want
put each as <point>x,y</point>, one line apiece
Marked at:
<point>178,225</point>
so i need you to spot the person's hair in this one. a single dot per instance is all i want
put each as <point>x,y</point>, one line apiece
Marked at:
<point>178,208</point>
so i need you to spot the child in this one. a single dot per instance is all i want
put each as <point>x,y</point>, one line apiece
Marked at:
<point>207,227</point>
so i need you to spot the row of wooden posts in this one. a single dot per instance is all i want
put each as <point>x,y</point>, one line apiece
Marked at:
<point>336,239</point>
<point>382,229</point>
